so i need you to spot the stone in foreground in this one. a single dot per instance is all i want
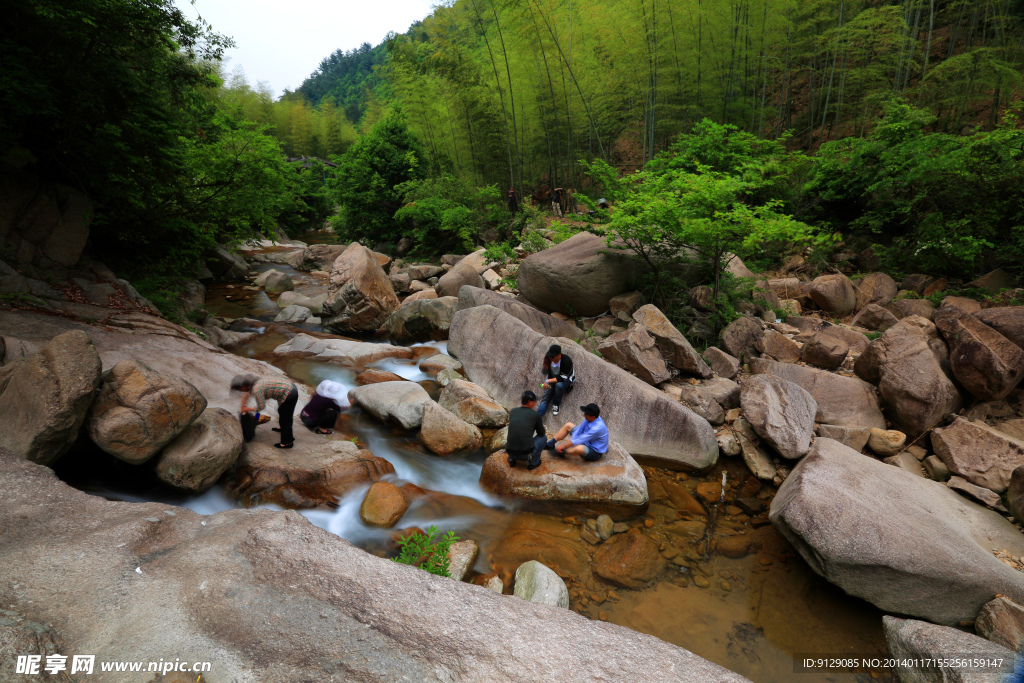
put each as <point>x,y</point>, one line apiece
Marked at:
<point>1002,622</point>
<point>538,584</point>
<point>895,539</point>
<point>913,643</point>
<point>444,433</point>
<point>503,355</point>
<point>197,457</point>
<point>615,478</point>
<point>210,582</point>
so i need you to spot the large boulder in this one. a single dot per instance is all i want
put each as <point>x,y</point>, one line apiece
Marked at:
<point>321,256</point>
<point>538,584</point>
<point>1002,622</point>
<point>842,401</point>
<point>907,364</point>
<point>360,296</point>
<point>781,412</point>
<point>742,335</point>
<point>634,350</point>
<point>197,457</point>
<point>986,363</point>
<point>470,402</point>
<point>673,345</point>
<point>979,453</point>
<point>466,272</point>
<point>444,433</point>
<point>1006,320</point>
<point>876,288</point>
<point>874,317</point>
<point>312,474</point>
<point>629,560</point>
<point>537,320</point>
<point>907,544</point>
<point>44,397</point>
<point>927,653</point>
<point>721,362</point>
<point>132,588</point>
<point>807,326</point>
<point>615,478</point>
<point>904,308</point>
<point>994,281</point>
<point>778,346</point>
<point>578,276</point>
<point>293,315</point>
<point>833,294</point>
<point>824,351</point>
<point>422,320</point>
<point>138,411</point>
<point>276,282</point>
<point>503,355</point>
<point>399,403</point>
<point>348,351</point>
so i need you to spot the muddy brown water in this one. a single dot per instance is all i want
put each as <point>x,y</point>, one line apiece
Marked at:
<point>752,614</point>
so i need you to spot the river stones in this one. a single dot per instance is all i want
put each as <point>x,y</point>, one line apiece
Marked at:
<point>537,320</point>
<point>1002,622</point>
<point>421,320</point>
<point>1006,320</point>
<point>44,397</point>
<point>307,475</point>
<point>444,433</point>
<point>741,335</point>
<point>398,403</point>
<point>383,505</point>
<point>503,355</point>
<point>461,556</point>
<point>634,350</point>
<point>895,539</point>
<point>779,347</point>
<point>615,478</point>
<point>833,294</point>
<point>470,402</point>
<point>341,350</point>
<point>465,272</point>
<point>375,376</point>
<point>629,560</point>
<point>876,288</point>
<point>197,457</point>
<point>674,347</point>
<point>985,362</point>
<point>824,351</point>
<point>979,453</point>
<point>916,647</point>
<point>721,362</point>
<point>139,410</point>
<point>538,584</point>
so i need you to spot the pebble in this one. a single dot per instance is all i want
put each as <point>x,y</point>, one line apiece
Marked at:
<point>701,581</point>
<point>605,527</point>
<point>589,536</point>
<point>648,523</point>
<point>726,586</point>
<point>603,616</point>
<point>669,552</point>
<point>620,527</point>
<point>152,519</point>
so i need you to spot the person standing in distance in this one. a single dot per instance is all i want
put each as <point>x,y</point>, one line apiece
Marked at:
<point>558,379</point>
<point>526,435</point>
<point>589,439</point>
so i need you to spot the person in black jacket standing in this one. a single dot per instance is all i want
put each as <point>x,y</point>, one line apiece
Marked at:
<point>526,435</point>
<point>559,377</point>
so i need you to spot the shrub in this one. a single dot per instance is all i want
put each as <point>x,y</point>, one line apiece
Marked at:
<point>427,551</point>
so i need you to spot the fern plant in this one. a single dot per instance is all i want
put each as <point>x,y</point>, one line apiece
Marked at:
<point>427,551</point>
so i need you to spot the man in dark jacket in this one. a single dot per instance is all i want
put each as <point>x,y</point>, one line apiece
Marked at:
<point>559,377</point>
<point>526,436</point>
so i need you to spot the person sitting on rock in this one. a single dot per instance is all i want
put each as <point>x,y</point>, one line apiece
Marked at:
<point>589,440</point>
<point>526,435</point>
<point>322,411</point>
<point>559,376</point>
<point>262,389</point>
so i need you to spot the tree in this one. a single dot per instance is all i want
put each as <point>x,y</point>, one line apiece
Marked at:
<point>368,173</point>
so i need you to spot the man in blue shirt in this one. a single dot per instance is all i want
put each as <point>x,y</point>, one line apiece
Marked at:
<point>589,439</point>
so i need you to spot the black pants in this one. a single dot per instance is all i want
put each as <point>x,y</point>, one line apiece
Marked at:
<point>325,421</point>
<point>286,412</point>
<point>534,455</point>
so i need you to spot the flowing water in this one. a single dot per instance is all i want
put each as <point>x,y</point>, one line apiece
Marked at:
<point>755,614</point>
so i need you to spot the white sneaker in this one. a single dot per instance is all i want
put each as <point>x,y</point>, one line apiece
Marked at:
<point>554,410</point>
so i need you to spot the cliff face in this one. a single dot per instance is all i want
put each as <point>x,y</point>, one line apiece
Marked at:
<point>42,224</point>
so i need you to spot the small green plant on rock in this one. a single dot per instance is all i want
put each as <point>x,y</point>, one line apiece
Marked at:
<point>427,551</point>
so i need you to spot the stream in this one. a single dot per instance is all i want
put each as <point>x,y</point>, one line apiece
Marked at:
<point>757,615</point>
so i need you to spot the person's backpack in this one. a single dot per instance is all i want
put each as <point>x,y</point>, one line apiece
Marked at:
<point>248,421</point>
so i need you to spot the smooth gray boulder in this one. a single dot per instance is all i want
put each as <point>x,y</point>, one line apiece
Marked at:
<point>907,544</point>
<point>421,320</point>
<point>536,319</point>
<point>781,412</point>
<point>347,351</point>
<point>917,646</point>
<point>400,403</point>
<point>504,356</point>
<point>465,272</point>
<point>197,457</point>
<point>578,276</point>
<point>44,397</point>
<point>539,584</point>
<point>145,581</point>
<point>293,315</point>
<point>842,401</point>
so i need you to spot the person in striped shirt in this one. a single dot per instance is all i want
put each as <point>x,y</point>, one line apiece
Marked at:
<point>263,389</point>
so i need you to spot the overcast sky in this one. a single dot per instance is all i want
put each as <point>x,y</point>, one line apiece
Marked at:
<point>283,41</point>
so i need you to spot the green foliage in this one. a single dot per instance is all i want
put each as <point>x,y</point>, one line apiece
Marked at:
<point>447,213</point>
<point>366,181</point>
<point>502,252</point>
<point>934,202</point>
<point>533,242</point>
<point>312,202</point>
<point>427,551</point>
